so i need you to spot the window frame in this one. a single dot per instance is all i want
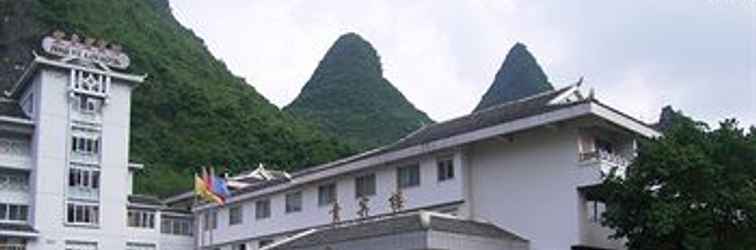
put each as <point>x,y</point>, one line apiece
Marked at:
<point>239,212</point>
<point>7,214</point>
<point>84,177</point>
<point>265,213</point>
<point>410,182</point>
<point>295,196</point>
<point>363,182</point>
<point>90,213</point>
<point>327,194</point>
<point>445,169</point>
<point>142,218</point>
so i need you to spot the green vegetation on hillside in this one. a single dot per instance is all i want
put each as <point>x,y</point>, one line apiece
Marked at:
<point>191,111</point>
<point>348,97</point>
<point>519,76</point>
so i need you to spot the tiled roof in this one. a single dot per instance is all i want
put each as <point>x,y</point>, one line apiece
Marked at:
<point>145,200</point>
<point>495,115</point>
<point>398,225</point>
<point>502,113</point>
<point>17,227</point>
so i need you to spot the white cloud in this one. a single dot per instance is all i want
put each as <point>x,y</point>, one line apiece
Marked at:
<point>442,55</point>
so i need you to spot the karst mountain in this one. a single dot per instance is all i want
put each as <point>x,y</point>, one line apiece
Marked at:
<point>347,96</point>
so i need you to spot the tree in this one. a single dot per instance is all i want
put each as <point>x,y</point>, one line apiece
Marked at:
<point>693,188</point>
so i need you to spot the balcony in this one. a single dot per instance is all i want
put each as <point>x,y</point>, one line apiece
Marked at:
<point>595,166</point>
<point>83,193</point>
<point>15,154</point>
<point>85,158</point>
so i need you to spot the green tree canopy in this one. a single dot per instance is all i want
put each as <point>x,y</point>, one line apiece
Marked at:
<point>693,188</point>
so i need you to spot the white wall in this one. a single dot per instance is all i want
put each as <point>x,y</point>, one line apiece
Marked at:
<point>529,185</point>
<point>430,192</point>
<point>50,147</point>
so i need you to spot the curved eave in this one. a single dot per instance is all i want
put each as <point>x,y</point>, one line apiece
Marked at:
<point>38,61</point>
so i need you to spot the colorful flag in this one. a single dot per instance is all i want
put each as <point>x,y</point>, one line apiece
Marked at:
<point>202,190</point>
<point>220,187</point>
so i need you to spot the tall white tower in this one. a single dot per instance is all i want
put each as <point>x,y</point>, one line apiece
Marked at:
<point>78,108</point>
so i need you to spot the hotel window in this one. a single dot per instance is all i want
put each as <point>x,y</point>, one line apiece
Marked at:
<point>14,212</point>
<point>364,185</point>
<point>235,215</point>
<point>88,104</point>
<point>327,194</point>
<point>445,169</point>
<point>408,176</point>
<point>85,145</point>
<point>86,214</point>
<point>294,202</point>
<point>84,178</point>
<point>262,209</point>
<point>213,219</point>
<point>141,218</point>
<point>595,210</point>
<point>176,226</point>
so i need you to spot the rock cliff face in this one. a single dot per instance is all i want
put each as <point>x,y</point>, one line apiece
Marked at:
<point>348,97</point>
<point>190,112</point>
<point>519,76</point>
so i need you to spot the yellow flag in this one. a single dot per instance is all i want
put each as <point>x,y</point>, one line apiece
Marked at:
<point>202,190</point>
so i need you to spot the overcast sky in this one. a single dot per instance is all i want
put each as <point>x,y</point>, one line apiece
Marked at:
<point>697,55</point>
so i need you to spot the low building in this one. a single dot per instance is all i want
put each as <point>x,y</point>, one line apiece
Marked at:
<point>411,231</point>
<point>521,166</point>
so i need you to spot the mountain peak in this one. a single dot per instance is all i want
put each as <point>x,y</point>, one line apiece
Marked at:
<point>518,77</point>
<point>348,97</point>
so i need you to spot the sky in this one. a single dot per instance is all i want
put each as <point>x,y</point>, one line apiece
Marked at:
<point>696,55</point>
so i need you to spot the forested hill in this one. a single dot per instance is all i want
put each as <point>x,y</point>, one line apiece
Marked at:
<point>519,76</point>
<point>190,112</point>
<point>347,96</point>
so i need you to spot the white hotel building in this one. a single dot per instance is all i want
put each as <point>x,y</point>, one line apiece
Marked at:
<point>65,175</point>
<point>513,176</point>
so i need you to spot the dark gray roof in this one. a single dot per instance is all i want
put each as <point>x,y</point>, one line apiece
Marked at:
<point>11,108</point>
<point>17,227</point>
<point>502,113</point>
<point>397,225</point>
<point>495,115</point>
<point>145,200</point>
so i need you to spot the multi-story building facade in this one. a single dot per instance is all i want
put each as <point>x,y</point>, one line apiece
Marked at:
<point>515,176</point>
<point>65,176</point>
<point>526,167</point>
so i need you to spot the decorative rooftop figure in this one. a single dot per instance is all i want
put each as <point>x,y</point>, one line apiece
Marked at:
<point>335,212</point>
<point>364,209</point>
<point>397,202</point>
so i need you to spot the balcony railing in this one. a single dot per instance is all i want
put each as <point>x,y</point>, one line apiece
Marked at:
<point>606,161</point>
<point>604,156</point>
